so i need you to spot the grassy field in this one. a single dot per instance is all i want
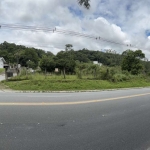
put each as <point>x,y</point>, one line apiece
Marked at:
<point>57,83</point>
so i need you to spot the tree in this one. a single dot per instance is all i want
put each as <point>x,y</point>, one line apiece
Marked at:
<point>65,62</point>
<point>47,64</point>
<point>81,57</point>
<point>68,47</point>
<point>80,67</point>
<point>95,69</point>
<point>26,55</point>
<point>31,64</point>
<point>62,64</point>
<point>132,61</point>
<point>20,54</point>
<point>85,3</point>
<point>147,67</point>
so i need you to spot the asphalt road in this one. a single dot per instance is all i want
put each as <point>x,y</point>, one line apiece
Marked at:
<point>108,120</point>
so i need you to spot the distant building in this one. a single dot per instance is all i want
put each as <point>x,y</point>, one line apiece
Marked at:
<point>97,63</point>
<point>2,62</point>
<point>109,51</point>
<point>145,59</point>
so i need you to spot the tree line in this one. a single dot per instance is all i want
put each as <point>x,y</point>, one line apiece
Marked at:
<point>69,61</point>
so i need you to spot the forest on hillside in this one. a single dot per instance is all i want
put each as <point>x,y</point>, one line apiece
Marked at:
<point>21,54</point>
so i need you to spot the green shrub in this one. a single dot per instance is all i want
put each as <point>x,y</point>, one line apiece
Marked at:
<point>105,74</point>
<point>120,77</point>
<point>23,71</point>
<point>126,72</point>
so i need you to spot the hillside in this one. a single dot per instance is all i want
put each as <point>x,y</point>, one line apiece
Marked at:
<point>21,54</point>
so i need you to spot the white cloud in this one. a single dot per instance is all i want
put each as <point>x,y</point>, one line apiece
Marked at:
<point>115,20</point>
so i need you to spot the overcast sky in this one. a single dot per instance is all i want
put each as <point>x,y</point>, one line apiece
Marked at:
<point>126,22</point>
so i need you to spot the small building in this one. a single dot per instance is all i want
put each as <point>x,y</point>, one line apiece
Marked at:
<point>2,62</point>
<point>97,63</point>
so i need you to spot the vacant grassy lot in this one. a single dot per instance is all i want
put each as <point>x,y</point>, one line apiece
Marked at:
<point>57,83</point>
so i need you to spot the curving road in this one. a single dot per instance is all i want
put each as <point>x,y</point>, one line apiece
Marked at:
<point>107,120</point>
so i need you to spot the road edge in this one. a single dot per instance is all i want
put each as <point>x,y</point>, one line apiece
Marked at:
<point>71,91</point>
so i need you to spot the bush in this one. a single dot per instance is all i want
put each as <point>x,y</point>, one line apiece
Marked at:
<point>23,71</point>
<point>106,74</point>
<point>126,72</point>
<point>120,77</point>
<point>148,73</point>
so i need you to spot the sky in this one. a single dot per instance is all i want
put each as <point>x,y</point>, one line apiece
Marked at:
<point>126,22</point>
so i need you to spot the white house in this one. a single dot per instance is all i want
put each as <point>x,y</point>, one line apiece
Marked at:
<point>97,63</point>
<point>2,61</point>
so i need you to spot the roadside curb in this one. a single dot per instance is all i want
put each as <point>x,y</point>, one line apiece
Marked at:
<point>74,91</point>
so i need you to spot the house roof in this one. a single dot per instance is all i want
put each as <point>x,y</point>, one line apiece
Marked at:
<point>1,58</point>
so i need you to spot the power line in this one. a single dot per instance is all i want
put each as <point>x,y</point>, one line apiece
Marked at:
<point>22,27</point>
<point>46,29</point>
<point>60,31</point>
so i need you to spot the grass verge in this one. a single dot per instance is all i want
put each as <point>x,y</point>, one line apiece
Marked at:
<point>57,83</point>
<point>3,86</point>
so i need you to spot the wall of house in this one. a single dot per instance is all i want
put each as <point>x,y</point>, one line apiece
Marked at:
<point>1,64</point>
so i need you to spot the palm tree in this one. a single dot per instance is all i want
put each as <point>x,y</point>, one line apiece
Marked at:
<point>85,3</point>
